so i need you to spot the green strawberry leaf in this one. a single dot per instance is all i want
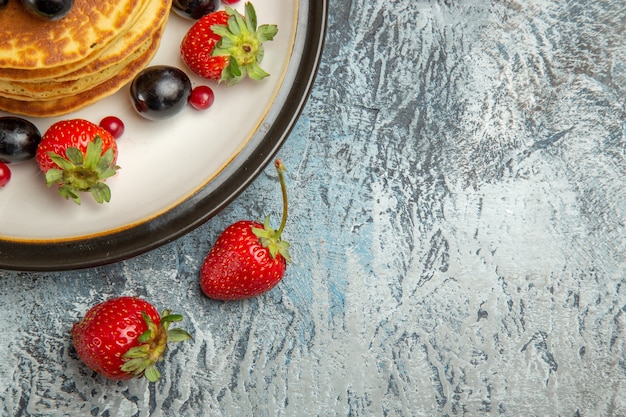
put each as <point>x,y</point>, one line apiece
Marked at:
<point>223,31</point>
<point>54,176</point>
<point>178,335</point>
<point>145,336</point>
<point>140,351</point>
<point>92,155</point>
<point>62,163</point>
<point>260,55</point>
<point>223,47</point>
<point>250,17</point>
<point>134,366</point>
<point>68,193</point>
<point>105,161</point>
<point>170,318</point>
<point>236,24</point>
<point>100,192</point>
<point>152,373</point>
<point>74,155</point>
<point>233,73</point>
<point>266,32</point>
<point>256,72</point>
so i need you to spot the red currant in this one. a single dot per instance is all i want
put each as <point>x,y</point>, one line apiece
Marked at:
<point>113,125</point>
<point>201,97</point>
<point>230,1</point>
<point>5,174</point>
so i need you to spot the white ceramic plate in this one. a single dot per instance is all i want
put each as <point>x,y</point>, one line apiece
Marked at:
<point>175,174</point>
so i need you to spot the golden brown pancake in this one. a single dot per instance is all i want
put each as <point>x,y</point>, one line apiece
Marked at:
<point>139,28</point>
<point>64,105</point>
<point>124,48</point>
<point>51,89</point>
<point>28,42</point>
<point>64,68</point>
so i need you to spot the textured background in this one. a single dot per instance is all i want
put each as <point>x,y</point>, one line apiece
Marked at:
<point>459,235</point>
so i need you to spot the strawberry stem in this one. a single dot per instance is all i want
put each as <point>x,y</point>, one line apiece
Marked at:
<point>268,237</point>
<point>280,169</point>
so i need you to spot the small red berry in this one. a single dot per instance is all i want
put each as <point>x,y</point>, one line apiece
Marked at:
<point>230,1</point>
<point>113,125</point>
<point>5,174</point>
<point>201,97</point>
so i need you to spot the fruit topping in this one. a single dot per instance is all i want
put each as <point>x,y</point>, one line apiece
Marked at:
<point>49,9</point>
<point>160,92</point>
<point>18,139</point>
<point>202,97</point>
<point>230,2</point>
<point>78,156</point>
<point>125,337</point>
<point>227,46</point>
<point>248,258</point>
<point>113,125</point>
<point>194,9</point>
<point>5,174</point>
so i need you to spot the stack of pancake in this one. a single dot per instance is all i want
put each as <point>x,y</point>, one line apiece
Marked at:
<point>51,68</point>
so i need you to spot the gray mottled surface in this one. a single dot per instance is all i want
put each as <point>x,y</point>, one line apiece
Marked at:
<point>458,227</point>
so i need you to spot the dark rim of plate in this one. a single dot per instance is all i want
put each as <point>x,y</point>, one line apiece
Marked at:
<point>246,166</point>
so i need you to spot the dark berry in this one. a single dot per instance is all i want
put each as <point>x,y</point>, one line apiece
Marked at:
<point>113,125</point>
<point>49,9</point>
<point>202,97</point>
<point>3,4</point>
<point>194,9</point>
<point>18,139</point>
<point>160,92</point>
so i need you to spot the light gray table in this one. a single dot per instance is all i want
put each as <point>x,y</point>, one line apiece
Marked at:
<point>458,224</point>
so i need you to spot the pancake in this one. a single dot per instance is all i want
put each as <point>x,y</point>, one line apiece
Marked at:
<point>54,68</point>
<point>64,105</point>
<point>124,49</point>
<point>30,43</point>
<point>50,90</point>
<point>153,18</point>
<point>137,29</point>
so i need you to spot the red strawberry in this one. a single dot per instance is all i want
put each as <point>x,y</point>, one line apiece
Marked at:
<point>124,337</point>
<point>226,46</point>
<point>248,258</point>
<point>78,156</point>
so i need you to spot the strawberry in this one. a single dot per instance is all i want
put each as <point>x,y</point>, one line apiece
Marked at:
<point>124,337</point>
<point>248,258</point>
<point>226,46</point>
<point>78,156</point>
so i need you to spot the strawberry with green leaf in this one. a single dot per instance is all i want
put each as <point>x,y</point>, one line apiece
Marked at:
<point>227,46</point>
<point>125,337</point>
<point>78,156</point>
<point>248,258</point>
